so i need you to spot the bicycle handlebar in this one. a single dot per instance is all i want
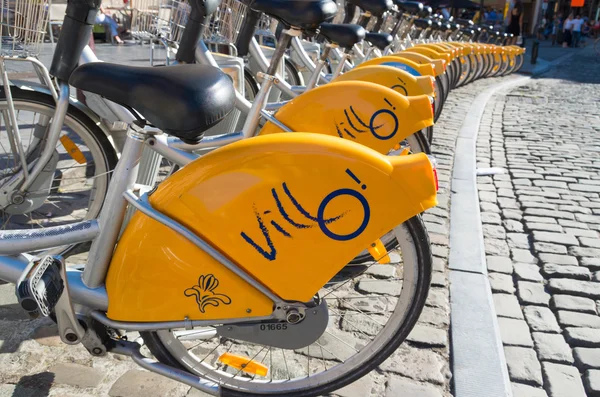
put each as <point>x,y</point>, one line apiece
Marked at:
<point>79,20</point>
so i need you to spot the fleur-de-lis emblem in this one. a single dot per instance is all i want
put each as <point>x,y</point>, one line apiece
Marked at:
<point>205,294</point>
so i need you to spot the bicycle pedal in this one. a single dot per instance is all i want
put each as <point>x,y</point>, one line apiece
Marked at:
<point>40,287</point>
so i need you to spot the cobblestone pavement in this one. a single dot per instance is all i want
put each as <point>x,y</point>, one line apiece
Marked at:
<point>541,223</point>
<point>33,362</point>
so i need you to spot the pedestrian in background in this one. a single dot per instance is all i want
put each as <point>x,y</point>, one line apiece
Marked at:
<point>541,28</point>
<point>559,29</point>
<point>515,23</point>
<point>577,24</point>
<point>104,19</point>
<point>567,31</point>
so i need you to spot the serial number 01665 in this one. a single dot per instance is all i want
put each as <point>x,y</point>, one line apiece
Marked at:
<point>273,327</point>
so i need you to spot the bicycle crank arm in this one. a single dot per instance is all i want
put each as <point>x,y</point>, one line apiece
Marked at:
<point>298,332</point>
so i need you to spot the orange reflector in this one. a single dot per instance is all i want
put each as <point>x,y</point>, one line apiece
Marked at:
<point>72,149</point>
<point>244,364</point>
<point>378,251</point>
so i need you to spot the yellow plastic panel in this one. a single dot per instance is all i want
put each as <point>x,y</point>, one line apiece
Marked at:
<point>394,78</point>
<point>401,63</point>
<point>367,113</point>
<point>440,48</point>
<point>290,209</point>
<point>438,64</point>
<point>430,52</point>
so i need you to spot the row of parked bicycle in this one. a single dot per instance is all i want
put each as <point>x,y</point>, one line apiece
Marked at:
<point>252,262</point>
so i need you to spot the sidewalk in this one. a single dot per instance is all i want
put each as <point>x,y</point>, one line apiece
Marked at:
<point>541,222</point>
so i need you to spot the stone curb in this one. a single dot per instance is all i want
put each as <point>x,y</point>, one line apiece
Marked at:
<point>476,351</point>
<point>478,364</point>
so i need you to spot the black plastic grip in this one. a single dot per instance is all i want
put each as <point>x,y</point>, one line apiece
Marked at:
<point>247,32</point>
<point>74,36</point>
<point>194,28</point>
<point>192,33</point>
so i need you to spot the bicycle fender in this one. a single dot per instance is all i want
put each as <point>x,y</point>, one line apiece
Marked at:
<point>439,66</point>
<point>439,48</point>
<point>430,53</point>
<point>291,210</point>
<point>366,113</point>
<point>391,77</point>
<point>403,64</point>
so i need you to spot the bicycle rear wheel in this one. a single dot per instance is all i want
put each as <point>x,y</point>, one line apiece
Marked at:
<point>369,323</point>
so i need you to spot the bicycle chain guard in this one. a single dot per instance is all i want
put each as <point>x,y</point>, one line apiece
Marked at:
<point>281,334</point>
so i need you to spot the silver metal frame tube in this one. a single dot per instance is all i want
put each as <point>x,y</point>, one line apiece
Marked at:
<point>113,212</point>
<point>298,48</point>
<point>207,141</point>
<point>204,57</point>
<point>160,144</point>
<point>13,132</point>
<point>14,242</point>
<point>337,55</point>
<point>340,66</point>
<point>123,114</point>
<point>253,117</point>
<point>132,350</point>
<point>62,105</point>
<point>156,326</point>
<point>263,64</point>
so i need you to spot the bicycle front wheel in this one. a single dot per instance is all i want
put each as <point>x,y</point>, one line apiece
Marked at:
<point>370,315</point>
<point>73,185</point>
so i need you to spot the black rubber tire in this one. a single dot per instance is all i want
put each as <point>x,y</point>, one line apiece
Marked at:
<point>421,239</point>
<point>474,68</point>
<point>458,71</point>
<point>467,68</point>
<point>293,75</point>
<point>483,62</point>
<point>440,97</point>
<point>250,83</point>
<point>429,135</point>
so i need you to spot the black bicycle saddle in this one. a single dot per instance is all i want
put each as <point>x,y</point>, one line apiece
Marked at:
<point>411,7</point>
<point>379,40</point>
<point>375,7</point>
<point>183,100</point>
<point>344,35</point>
<point>303,14</point>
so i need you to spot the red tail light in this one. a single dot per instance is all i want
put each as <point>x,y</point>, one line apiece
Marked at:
<point>433,162</point>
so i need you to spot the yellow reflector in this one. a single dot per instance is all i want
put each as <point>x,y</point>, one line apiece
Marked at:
<point>378,251</point>
<point>244,364</point>
<point>72,149</point>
